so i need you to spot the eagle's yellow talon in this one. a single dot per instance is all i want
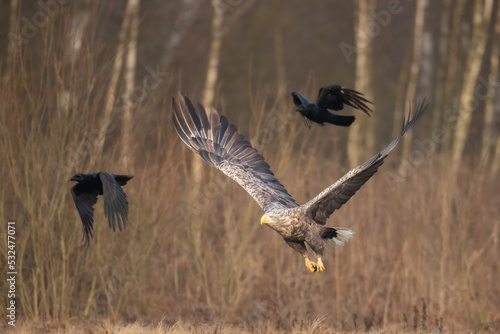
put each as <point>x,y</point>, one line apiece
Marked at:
<point>320,265</point>
<point>311,266</point>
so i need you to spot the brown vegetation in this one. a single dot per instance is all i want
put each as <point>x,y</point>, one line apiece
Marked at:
<point>193,255</point>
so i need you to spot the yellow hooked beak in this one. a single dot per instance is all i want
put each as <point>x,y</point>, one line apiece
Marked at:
<point>264,220</point>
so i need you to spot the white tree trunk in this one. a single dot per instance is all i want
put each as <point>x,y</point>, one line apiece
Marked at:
<point>188,11</point>
<point>493,104</point>
<point>110,94</point>
<point>130,68</point>
<point>363,74</point>
<point>467,97</point>
<point>213,60</point>
<point>411,89</point>
<point>489,137</point>
<point>15,29</point>
<point>442,69</point>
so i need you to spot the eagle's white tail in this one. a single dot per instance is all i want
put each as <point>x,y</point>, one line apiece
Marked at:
<point>338,236</point>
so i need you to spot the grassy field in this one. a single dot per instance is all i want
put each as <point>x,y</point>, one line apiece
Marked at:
<point>108,326</point>
<point>194,250</point>
<point>194,257</point>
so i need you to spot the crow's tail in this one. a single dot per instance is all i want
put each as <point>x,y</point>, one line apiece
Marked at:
<point>123,179</point>
<point>340,120</point>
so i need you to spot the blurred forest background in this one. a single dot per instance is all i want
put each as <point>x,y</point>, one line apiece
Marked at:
<point>87,86</point>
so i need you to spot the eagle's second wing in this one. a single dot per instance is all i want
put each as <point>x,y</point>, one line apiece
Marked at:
<point>332,198</point>
<point>334,97</point>
<point>222,146</point>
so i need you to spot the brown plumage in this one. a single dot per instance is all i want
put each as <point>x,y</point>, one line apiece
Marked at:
<point>223,147</point>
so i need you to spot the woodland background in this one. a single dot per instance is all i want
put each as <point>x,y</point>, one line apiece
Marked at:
<point>87,86</point>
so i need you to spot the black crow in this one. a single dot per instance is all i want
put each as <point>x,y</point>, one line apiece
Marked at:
<point>115,201</point>
<point>330,97</point>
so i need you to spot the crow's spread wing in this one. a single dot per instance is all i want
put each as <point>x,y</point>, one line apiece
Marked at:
<point>332,198</point>
<point>334,97</point>
<point>85,199</point>
<point>222,146</point>
<point>115,201</point>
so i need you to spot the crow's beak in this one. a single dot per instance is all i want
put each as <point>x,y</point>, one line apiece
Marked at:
<point>72,178</point>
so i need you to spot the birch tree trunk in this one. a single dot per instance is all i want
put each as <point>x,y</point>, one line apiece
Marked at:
<point>187,13</point>
<point>458,10</point>
<point>495,166</point>
<point>442,69</point>
<point>110,94</point>
<point>467,97</point>
<point>426,78</point>
<point>363,75</point>
<point>411,89</point>
<point>213,60</point>
<point>493,102</point>
<point>489,137</point>
<point>13,43</point>
<point>400,101</point>
<point>130,68</point>
<point>79,24</point>
<point>370,139</point>
<point>453,79</point>
<point>212,74</point>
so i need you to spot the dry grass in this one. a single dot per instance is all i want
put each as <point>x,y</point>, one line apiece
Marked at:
<point>193,257</point>
<point>107,326</point>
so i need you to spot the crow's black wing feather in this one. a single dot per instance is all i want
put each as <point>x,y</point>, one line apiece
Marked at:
<point>85,199</point>
<point>356,100</point>
<point>330,97</point>
<point>334,97</point>
<point>115,201</point>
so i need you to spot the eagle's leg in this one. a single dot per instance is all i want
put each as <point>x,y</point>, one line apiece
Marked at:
<point>301,248</point>
<point>318,247</point>
<point>320,265</point>
<point>311,266</point>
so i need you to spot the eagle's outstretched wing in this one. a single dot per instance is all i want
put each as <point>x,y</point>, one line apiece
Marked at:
<point>332,198</point>
<point>222,146</point>
<point>334,97</point>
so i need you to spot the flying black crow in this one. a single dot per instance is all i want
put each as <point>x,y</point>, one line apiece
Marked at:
<point>115,201</point>
<point>330,97</point>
